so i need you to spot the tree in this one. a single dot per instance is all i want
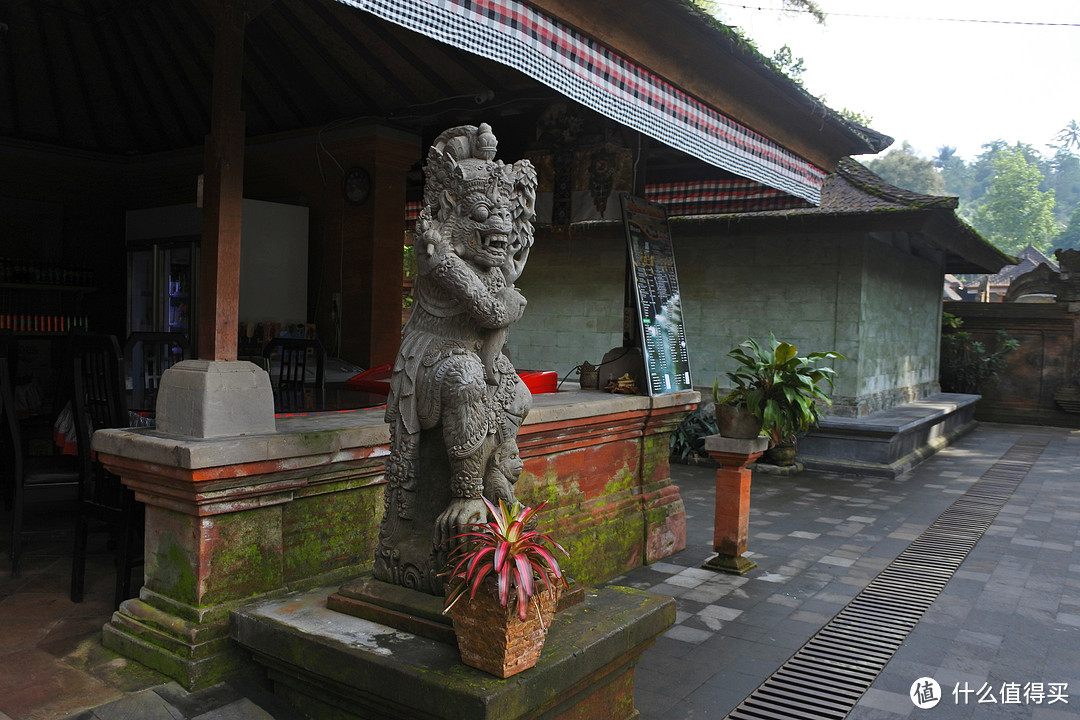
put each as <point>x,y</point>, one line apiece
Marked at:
<point>1064,180</point>
<point>955,173</point>
<point>1016,213</point>
<point>787,63</point>
<point>1069,239</point>
<point>1069,137</point>
<point>854,115</point>
<point>905,169</point>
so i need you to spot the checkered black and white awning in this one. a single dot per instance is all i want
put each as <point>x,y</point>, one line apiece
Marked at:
<point>519,36</point>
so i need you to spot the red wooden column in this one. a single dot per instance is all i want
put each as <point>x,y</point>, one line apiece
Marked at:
<point>731,525</point>
<point>223,185</point>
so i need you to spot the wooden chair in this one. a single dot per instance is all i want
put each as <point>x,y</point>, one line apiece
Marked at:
<point>146,356</point>
<point>291,375</point>
<point>32,478</point>
<point>98,401</point>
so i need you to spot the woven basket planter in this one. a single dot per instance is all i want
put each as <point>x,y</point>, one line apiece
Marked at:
<point>493,638</point>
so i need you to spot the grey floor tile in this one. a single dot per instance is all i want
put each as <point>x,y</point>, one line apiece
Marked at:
<point>145,705</point>
<point>242,709</point>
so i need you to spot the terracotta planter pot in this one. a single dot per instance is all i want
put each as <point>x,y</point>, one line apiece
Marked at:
<point>494,639</point>
<point>737,422</point>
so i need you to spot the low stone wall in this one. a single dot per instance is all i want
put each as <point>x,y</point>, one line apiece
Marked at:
<point>1045,362</point>
<point>890,442</point>
<point>231,520</point>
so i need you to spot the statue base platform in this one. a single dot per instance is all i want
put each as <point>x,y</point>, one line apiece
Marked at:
<point>330,664</point>
<point>394,606</point>
<point>409,610</point>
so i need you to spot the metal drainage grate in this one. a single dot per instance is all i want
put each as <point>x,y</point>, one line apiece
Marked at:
<point>827,676</point>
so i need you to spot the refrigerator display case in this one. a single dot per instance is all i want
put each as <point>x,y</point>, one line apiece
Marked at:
<point>163,286</point>
<point>163,270</point>
<point>163,267</point>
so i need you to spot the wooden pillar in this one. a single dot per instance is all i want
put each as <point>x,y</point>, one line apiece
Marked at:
<point>731,524</point>
<point>392,161</point>
<point>223,190</point>
<point>372,245</point>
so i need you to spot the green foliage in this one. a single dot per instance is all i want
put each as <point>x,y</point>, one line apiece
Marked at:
<point>956,175</point>
<point>1064,179</point>
<point>905,169</point>
<point>1016,213</point>
<point>971,182</point>
<point>967,364</point>
<point>780,387</point>
<point>1069,239</point>
<point>854,116</point>
<point>410,272</point>
<point>507,547</point>
<point>689,438</point>
<point>409,261</point>
<point>787,63</point>
<point>1068,139</point>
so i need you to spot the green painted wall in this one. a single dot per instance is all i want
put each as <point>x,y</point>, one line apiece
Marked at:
<point>864,296</point>
<point>900,327</point>
<point>574,289</point>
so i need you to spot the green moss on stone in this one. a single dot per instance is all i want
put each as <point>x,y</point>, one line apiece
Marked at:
<point>174,575</point>
<point>245,558</point>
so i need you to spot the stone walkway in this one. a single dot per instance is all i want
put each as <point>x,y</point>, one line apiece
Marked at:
<point>1008,620</point>
<point>1006,626</point>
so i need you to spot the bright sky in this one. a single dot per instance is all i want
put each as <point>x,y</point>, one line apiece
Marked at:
<point>934,82</point>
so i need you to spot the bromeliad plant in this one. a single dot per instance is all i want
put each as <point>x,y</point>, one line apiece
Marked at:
<point>780,387</point>
<point>506,547</point>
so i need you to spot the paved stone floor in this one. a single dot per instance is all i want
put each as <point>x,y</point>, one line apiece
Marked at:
<point>1009,617</point>
<point>1010,614</point>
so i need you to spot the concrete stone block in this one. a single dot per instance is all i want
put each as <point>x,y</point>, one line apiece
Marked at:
<point>330,664</point>
<point>719,443</point>
<point>207,399</point>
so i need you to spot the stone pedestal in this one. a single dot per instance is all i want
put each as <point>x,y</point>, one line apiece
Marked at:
<point>209,399</point>
<point>732,520</point>
<point>232,519</point>
<point>327,664</point>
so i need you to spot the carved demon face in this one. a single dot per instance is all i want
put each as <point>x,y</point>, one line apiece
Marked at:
<point>480,226</point>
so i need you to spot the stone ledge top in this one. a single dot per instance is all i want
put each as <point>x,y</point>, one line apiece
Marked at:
<point>736,446</point>
<point>344,432</point>
<point>576,403</point>
<point>901,418</point>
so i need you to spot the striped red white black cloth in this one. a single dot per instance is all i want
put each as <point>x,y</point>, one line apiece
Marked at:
<point>519,36</point>
<point>713,197</point>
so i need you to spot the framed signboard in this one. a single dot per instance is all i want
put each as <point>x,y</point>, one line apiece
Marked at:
<point>656,296</point>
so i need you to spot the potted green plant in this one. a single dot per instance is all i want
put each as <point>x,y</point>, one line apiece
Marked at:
<point>508,572</point>
<point>781,388</point>
<point>733,417</point>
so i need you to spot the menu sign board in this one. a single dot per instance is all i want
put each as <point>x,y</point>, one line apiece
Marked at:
<point>656,296</point>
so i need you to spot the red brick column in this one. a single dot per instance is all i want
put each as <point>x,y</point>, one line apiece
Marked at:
<point>732,520</point>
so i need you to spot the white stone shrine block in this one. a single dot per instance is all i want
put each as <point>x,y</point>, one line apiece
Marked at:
<point>209,399</point>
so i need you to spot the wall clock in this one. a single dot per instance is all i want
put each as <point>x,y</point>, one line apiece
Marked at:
<point>356,186</point>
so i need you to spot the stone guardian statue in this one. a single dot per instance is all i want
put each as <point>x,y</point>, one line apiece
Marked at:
<point>456,402</point>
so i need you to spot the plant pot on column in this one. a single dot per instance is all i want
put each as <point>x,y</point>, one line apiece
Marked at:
<point>780,388</point>
<point>735,420</point>
<point>498,568</point>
